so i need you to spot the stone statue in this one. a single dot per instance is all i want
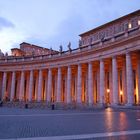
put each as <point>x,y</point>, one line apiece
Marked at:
<point>69,46</point>
<point>80,43</point>
<point>50,50</point>
<point>1,53</point>
<point>6,54</point>
<point>60,48</point>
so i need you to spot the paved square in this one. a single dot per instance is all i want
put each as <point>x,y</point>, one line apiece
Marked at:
<point>69,124</point>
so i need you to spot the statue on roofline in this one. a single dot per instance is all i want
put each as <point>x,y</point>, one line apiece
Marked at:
<point>80,43</point>
<point>60,48</point>
<point>6,54</point>
<point>1,53</point>
<point>69,46</point>
<point>50,50</point>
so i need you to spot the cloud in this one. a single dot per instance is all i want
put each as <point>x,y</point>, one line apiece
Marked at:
<point>51,23</point>
<point>4,23</point>
<point>9,38</point>
<point>68,31</point>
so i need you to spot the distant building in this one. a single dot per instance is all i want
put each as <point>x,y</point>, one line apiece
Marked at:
<point>27,49</point>
<point>103,70</point>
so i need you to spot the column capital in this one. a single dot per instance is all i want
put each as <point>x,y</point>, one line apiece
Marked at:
<point>90,62</point>
<point>128,52</point>
<point>79,64</point>
<point>101,60</point>
<point>114,57</point>
<point>59,67</point>
<point>31,70</point>
<point>69,66</point>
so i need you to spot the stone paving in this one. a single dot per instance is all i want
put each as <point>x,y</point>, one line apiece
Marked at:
<point>31,123</point>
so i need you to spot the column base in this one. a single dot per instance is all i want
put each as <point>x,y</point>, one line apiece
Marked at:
<point>129,105</point>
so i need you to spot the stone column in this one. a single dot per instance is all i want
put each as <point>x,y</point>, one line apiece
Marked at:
<point>102,82</point>
<point>90,84</point>
<point>115,81</point>
<point>69,85</point>
<point>59,86</point>
<point>49,88</point>
<point>36,87</point>
<point>21,90</point>
<point>124,82</point>
<point>138,77</point>
<point>46,84</point>
<point>79,84</point>
<point>13,86</point>
<point>98,85</point>
<point>110,84</point>
<point>39,94</point>
<point>129,81</point>
<point>31,85</point>
<point>4,82</point>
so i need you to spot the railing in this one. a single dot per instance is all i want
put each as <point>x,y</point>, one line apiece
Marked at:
<point>110,30</point>
<point>94,45</point>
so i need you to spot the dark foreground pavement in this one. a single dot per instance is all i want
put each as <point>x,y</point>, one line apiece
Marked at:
<point>106,124</point>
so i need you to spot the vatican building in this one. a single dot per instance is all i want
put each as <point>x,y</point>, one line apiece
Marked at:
<point>104,70</point>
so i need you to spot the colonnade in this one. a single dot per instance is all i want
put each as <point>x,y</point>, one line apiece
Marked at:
<point>114,80</point>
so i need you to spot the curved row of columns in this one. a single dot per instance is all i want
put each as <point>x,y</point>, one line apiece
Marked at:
<point>78,88</point>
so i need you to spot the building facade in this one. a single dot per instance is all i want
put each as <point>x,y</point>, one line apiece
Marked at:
<point>104,69</point>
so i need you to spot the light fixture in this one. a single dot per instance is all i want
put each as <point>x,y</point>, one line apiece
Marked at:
<point>129,25</point>
<point>121,93</point>
<point>108,90</point>
<point>139,22</point>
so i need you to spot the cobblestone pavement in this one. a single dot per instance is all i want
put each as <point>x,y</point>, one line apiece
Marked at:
<point>31,123</point>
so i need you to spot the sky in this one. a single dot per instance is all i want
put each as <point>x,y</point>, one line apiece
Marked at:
<point>51,23</point>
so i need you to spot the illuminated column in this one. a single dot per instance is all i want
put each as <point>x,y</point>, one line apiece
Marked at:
<point>39,94</point>
<point>21,90</point>
<point>124,93</point>
<point>49,88</point>
<point>110,84</point>
<point>102,82</point>
<point>69,85</point>
<point>114,80</point>
<point>98,85</point>
<point>138,77</point>
<point>90,83</point>
<point>129,77</point>
<point>4,84</point>
<point>30,85</point>
<point>36,87</point>
<point>59,81</point>
<point>46,84</point>
<point>79,84</point>
<point>13,86</point>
